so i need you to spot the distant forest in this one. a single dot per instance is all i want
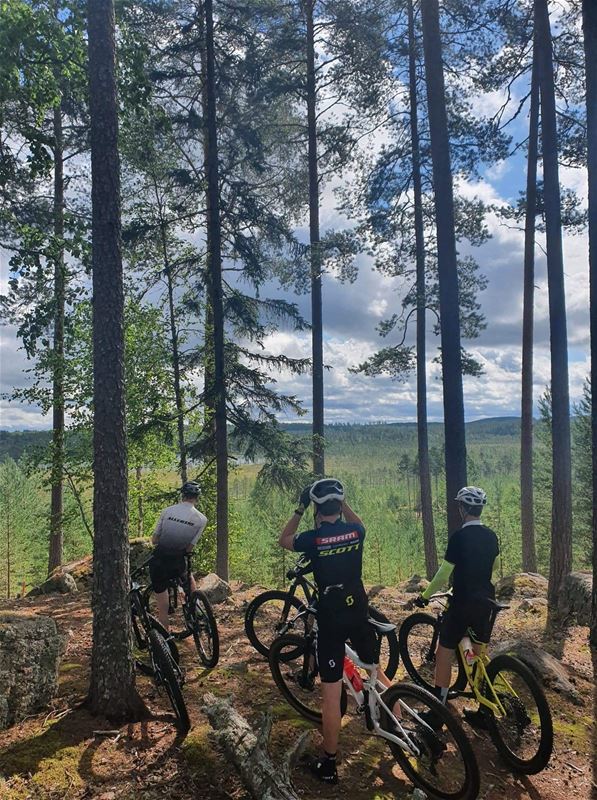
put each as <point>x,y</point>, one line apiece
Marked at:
<point>16,444</point>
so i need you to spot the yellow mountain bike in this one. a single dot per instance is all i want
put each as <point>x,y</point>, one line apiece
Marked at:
<point>514,707</point>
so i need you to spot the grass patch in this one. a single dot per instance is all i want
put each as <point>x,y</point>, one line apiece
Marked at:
<point>51,761</point>
<point>198,751</point>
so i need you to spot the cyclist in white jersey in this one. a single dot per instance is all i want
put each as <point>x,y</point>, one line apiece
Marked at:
<point>178,530</point>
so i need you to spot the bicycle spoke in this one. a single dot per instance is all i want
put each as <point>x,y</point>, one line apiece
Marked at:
<point>444,765</point>
<point>523,733</point>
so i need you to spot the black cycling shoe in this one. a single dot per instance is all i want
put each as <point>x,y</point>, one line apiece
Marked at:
<point>306,682</point>
<point>432,719</point>
<point>476,718</point>
<point>324,769</point>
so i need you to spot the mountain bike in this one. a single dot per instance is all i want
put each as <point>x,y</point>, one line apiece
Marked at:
<point>512,702</point>
<point>441,763</point>
<point>163,664</point>
<point>274,613</point>
<point>198,616</point>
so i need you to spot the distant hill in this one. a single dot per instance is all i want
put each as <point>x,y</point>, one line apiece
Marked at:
<point>14,444</point>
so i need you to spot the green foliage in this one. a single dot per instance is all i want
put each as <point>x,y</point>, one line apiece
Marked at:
<point>23,510</point>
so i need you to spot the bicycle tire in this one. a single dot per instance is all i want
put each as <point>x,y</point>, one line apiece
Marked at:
<point>280,663</point>
<point>259,643</point>
<point>539,760</point>
<point>166,674</point>
<point>469,789</point>
<point>208,644</point>
<point>391,667</point>
<point>138,628</point>
<point>407,650</point>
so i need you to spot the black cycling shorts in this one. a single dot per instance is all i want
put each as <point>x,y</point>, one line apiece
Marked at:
<point>460,616</point>
<point>165,567</point>
<point>342,616</point>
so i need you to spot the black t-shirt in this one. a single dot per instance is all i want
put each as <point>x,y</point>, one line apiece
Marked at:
<point>335,550</point>
<point>472,550</point>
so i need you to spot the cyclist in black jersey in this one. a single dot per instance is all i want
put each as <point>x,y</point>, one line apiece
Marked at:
<point>470,556</point>
<point>335,548</point>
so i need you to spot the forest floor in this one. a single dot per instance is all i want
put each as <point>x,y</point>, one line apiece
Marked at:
<point>60,754</point>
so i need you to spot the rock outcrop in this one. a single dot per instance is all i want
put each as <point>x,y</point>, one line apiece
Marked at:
<point>523,584</point>
<point>217,590</point>
<point>414,585</point>
<point>547,668</point>
<point>30,650</point>
<point>577,597</point>
<point>59,581</point>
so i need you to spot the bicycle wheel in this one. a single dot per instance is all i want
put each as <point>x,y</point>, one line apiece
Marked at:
<point>266,618</point>
<point>524,736</point>
<point>293,664</point>
<point>445,766</point>
<point>167,674</point>
<point>205,629</point>
<point>389,655</point>
<point>417,642</point>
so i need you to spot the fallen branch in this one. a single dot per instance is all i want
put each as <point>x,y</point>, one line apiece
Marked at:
<point>248,751</point>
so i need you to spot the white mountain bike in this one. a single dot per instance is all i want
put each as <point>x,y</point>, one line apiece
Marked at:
<point>440,762</point>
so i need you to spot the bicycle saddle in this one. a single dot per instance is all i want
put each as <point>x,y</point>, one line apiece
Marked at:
<point>383,627</point>
<point>495,606</point>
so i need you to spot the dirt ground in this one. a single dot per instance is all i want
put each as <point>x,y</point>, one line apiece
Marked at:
<point>62,753</point>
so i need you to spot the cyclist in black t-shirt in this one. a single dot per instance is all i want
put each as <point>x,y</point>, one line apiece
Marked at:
<point>335,548</point>
<point>470,556</point>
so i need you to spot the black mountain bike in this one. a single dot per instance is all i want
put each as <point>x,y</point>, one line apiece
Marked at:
<point>162,664</point>
<point>274,613</point>
<point>513,704</point>
<point>198,617</point>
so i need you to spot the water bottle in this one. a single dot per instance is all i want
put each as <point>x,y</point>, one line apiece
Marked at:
<point>352,674</point>
<point>469,654</point>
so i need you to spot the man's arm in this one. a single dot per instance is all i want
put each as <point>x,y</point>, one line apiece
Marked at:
<point>286,539</point>
<point>439,580</point>
<point>349,514</point>
<point>158,530</point>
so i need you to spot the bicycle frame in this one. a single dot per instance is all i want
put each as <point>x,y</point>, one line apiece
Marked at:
<point>370,700</point>
<point>475,670</point>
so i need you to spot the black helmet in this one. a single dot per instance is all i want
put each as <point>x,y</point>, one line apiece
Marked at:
<point>191,489</point>
<point>326,489</point>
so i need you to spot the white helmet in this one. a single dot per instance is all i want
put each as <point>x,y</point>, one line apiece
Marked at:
<point>472,496</point>
<point>326,489</point>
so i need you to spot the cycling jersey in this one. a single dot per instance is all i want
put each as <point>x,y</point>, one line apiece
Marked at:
<point>336,552</point>
<point>179,527</point>
<point>472,549</point>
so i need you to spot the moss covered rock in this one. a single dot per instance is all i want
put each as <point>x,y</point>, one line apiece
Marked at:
<point>30,650</point>
<point>523,584</point>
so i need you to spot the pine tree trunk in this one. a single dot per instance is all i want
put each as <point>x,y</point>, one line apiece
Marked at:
<point>455,441</point>
<point>214,257</point>
<point>178,393</point>
<point>561,520</point>
<point>8,560</point>
<point>589,10</point>
<point>422,433</point>
<point>527,513</point>
<point>112,688</point>
<point>315,252</point>
<point>138,477</point>
<point>56,480</point>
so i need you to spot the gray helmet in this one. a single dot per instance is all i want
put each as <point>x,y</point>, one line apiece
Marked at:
<point>326,489</point>
<point>471,496</point>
